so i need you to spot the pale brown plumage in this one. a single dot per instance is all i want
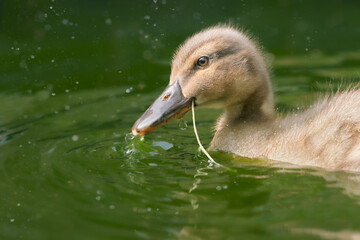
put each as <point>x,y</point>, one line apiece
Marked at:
<point>236,79</point>
<point>326,135</point>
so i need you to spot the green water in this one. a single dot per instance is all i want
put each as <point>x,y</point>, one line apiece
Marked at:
<point>75,75</point>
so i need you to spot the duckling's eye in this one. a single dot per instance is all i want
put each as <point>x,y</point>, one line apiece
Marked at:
<point>203,61</point>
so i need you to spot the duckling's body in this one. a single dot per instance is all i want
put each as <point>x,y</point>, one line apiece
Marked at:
<point>326,135</point>
<point>222,67</point>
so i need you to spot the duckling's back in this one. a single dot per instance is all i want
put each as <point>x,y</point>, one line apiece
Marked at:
<point>326,135</point>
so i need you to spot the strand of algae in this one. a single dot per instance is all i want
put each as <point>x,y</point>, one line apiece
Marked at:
<point>198,140</point>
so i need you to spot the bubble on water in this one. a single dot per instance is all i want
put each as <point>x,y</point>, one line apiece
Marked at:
<point>77,82</point>
<point>65,21</point>
<point>183,124</point>
<point>306,49</point>
<point>147,17</point>
<point>111,207</point>
<point>98,198</point>
<point>51,7</point>
<point>155,1</point>
<point>67,90</point>
<point>108,21</point>
<point>148,209</point>
<point>146,36</point>
<point>32,56</point>
<point>75,138</point>
<point>67,107</point>
<point>18,204</point>
<point>225,186</point>
<point>98,192</point>
<point>218,188</point>
<point>53,94</point>
<point>72,37</point>
<point>163,2</point>
<point>12,220</point>
<point>52,60</point>
<point>153,164</point>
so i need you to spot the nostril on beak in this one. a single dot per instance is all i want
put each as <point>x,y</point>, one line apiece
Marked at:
<point>166,97</point>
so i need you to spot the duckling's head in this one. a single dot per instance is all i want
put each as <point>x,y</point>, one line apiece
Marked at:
<point>219,67</point>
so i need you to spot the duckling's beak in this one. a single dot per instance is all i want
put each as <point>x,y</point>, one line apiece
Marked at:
<point>170,104</point>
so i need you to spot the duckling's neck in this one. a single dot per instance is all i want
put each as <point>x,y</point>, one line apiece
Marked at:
<point>243,124</point>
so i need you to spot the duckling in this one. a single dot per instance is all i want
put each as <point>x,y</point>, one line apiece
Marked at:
<point>223,67</point>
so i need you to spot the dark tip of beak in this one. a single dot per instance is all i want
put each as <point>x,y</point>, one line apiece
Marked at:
<point>170,104</point>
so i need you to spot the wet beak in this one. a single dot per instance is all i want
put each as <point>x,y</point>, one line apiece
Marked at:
<point>170,104</point>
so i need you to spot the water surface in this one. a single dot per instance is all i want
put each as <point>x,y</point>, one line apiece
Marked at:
<point>74,76</point>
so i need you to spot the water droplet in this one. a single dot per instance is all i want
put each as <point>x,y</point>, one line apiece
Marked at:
<point>129,137</point>
<point>108,21</point>
<point>183,124</point>
<point>98,198</point>
<point>75,138</point>
<point>147,17</point>
<point>19,204</point>
<point>111,207</point>
<point>12,220</point>
<point>218,188</point>
<point>149,209</point>
<point>129,90</point>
